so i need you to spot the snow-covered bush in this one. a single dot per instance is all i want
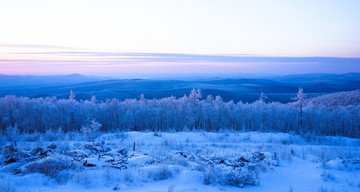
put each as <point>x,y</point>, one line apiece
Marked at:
<point>129,176</point>
<point>12,133</point>
<point>162,172</point>
<point>327,176</point>
<point>226,175</point>
<point>240,178</point>
<point>239,171</point>
<point>54,167</point>
<point>210,175</point>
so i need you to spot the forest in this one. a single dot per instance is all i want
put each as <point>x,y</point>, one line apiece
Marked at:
<point>188,113</point>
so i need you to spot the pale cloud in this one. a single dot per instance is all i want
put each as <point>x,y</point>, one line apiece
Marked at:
<point>120,62</point>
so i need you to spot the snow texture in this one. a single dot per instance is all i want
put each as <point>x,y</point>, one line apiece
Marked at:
<point>181,161</point>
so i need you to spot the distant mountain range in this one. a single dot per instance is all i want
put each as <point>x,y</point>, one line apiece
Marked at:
<point>276,88</point>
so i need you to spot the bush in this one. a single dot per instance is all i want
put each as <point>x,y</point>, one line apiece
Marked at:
<point>162,173</point>
<point>229,176</point>
<point>53,167</point>
<point>210,176</point>
<point>240,178</point>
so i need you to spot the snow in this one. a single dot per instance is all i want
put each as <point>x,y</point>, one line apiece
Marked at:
<point>180,161</point>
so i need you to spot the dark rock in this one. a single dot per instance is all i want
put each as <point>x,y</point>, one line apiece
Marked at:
<point>243,160</point>
<point>86,164</point>
<point>37,151</point>
<point>110,160</point>
<point>94,149</point>
<point>257,157</point>
<point>11,160</point>
<point>185,155</point>
<point>217,160</point>
<point>116,188</point>
<point>17,171</point>
<point>52,146</point>
<point>12,155</point>
<point>40,152</point>
<point>123,152</point>
<point>10,149</point>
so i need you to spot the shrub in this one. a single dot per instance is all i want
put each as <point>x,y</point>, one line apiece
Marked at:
<point>240,178</point>
<point>162,173</point>
<point>210,176</point>
<point>53,167</point>
<point>228,176</point>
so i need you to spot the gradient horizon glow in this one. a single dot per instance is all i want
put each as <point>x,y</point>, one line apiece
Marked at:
<point>164,37</point>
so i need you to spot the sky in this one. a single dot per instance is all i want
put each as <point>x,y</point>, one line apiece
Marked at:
<point>171,36</point>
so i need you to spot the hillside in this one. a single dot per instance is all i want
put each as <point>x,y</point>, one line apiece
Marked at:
<point>336,99</point>
<point>237,88</point>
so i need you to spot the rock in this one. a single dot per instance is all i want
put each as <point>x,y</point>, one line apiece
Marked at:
<point>10,149</point>
<point>94,149</point>
<point>242,159</point>
<point>17,171</point>
<point>185,155</point>
<point>217,160</point>
<point>350,164</point>
<point>116,188</point>
<point>52,146</point>
<point>109,160</point>
<point>123,152</point>
<point>12,155</point>
<point>257,157</point>
<point>86,164</point>
<point>11,160</point>
<point>77,155</point>
<point>40,152</point>
<point>37,151</point>
<point>105,149</point>
<point>182,154</point>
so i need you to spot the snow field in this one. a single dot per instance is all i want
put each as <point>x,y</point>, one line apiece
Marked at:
<point>188,161</point>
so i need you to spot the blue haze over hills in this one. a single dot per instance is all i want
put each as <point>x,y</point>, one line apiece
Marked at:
<point>246,88</point>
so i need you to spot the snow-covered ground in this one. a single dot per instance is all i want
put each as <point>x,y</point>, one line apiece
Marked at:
<point>182,161</point>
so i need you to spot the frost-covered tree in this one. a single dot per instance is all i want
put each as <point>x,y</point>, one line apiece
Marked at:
<point>93,99</point>
<point>300,98</point>
<point>91,129</point>
<point>12,133</point>
<point>72,95</point>
<point>211,114</point>
<point>262,98</point>
<point>194,97</point>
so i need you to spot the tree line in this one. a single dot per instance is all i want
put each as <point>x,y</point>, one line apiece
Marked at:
<point>193,112</point>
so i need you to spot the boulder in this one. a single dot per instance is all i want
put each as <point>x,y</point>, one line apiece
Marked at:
<point>92,148</point>
<point>86,164</point>
<point>52,146</point>
<point>123,152</point>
